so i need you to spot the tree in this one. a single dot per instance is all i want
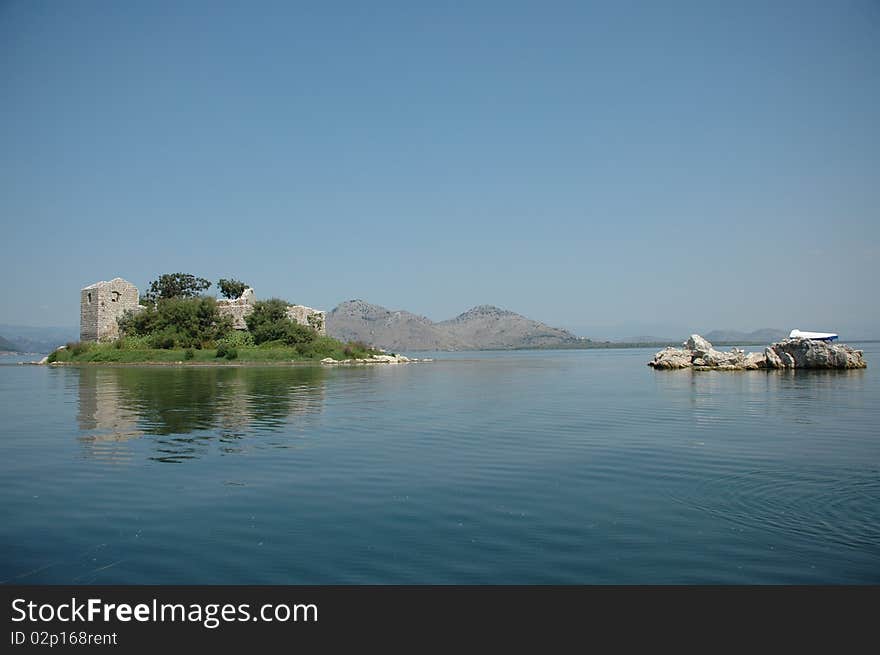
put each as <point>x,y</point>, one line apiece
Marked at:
<point>176,285</point>
<point>177,323</point>
<point>269,322</point>
<point>231,288</point>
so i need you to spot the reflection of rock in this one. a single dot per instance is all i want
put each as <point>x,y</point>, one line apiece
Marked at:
<point>699,354</point>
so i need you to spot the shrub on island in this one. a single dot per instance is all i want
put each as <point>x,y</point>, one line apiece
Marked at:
<point>177,323</point>
<point>269,322</point>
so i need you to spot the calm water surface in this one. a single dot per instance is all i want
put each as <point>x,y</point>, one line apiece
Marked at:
<point>529,467</point>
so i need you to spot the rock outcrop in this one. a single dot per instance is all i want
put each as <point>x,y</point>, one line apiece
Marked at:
<point>697,353</point>
<point>809,353</point>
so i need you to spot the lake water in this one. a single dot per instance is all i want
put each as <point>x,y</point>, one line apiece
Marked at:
<point>524,467</point>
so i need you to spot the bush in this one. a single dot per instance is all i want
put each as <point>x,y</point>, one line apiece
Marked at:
<point>133,343</point>
<point>189,353</point>
<point>164,340</point>
<point>176,285</point>
<point>269,322</point>
<point>227,351</point>
<point>231,289</point>
<point>268,345</point>
<point>238,338</point>
<point>184,322</point>
<point>323,346</point>
<point>78,347</point>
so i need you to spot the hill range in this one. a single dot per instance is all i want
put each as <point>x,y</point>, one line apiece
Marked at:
<point>484,327</point>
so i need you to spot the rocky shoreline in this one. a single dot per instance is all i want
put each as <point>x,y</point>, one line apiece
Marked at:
<point>698,354</point>
<point>375,359</point>
<point>327,361</point>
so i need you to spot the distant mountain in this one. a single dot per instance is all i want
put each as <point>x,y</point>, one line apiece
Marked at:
<point>486,326</point>
<point>647,338</point>
<point>764,335</point>
<point>483,327</point>
<point>8,346</point>
<point>38,339</point>
<point>357,320</point>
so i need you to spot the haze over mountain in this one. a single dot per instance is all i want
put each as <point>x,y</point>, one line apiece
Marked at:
<point>764,335</point>
<point>38,339</point>
<point>482,327</point>
<point>7,346</point>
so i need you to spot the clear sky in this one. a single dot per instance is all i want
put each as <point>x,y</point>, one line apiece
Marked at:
<point>610,166</point>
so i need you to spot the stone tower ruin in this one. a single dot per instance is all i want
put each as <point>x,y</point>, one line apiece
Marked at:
<point>101,304</point>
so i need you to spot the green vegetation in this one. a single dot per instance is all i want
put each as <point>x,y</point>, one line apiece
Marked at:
<point>237,339</point>
<point>178,325</point>
<point>231,288</point>
<point>270,352</point>
<point>175,285</point>
<point>227,351</point>
<point>269,322</point>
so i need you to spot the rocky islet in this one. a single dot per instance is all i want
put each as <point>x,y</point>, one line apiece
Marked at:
<point>697,353</point>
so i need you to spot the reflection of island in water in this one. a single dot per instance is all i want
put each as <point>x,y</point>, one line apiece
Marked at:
<point>187,409</point>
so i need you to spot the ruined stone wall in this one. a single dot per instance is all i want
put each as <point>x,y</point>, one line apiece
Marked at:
<point>241,307</point>
<point>101,304</point>
<point>88,314</point>
<point>313,318</point>
<point>237,309</point>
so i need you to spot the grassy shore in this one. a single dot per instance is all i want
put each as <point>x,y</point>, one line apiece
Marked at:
<point>121,353</point>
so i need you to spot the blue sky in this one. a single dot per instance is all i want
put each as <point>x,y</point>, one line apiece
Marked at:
<point>617,167</point>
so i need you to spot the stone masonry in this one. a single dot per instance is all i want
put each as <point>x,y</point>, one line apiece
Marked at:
<point>313,318</point>
<point>237,309</point>
<point>101,304</point>
<point>242,306</point>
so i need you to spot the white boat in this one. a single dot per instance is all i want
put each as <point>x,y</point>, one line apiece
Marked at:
<point>816,336</point>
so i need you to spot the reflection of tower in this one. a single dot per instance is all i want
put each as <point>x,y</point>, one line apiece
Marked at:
<point>102,416</point>
<point>184,410</point>
<point>233,412</point>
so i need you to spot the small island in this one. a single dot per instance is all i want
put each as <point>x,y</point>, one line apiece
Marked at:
<point>177,323</point>
<point>792,353</point>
